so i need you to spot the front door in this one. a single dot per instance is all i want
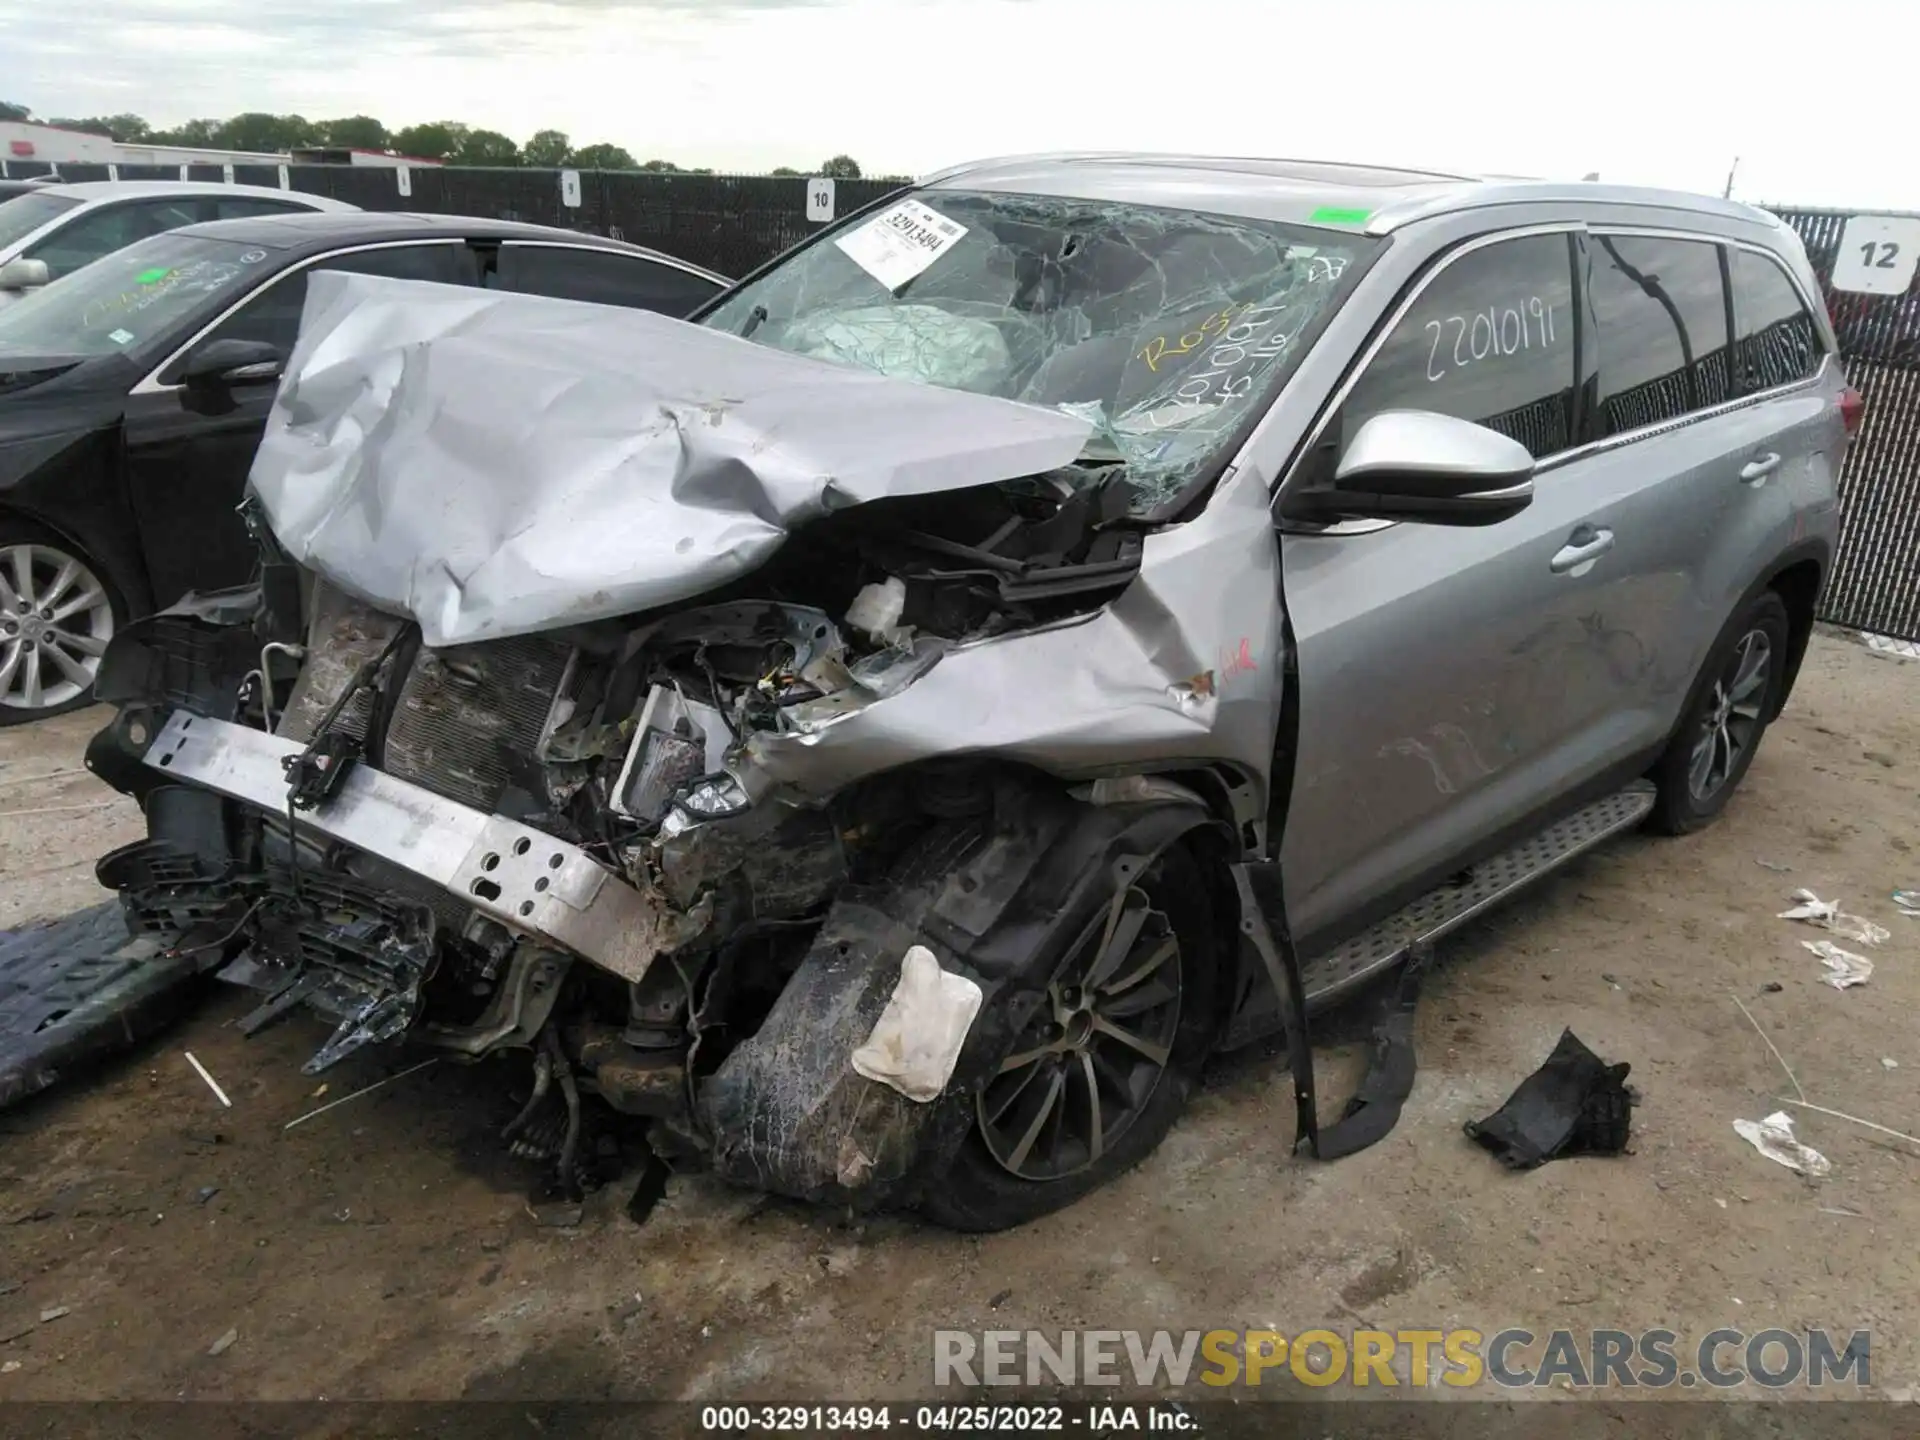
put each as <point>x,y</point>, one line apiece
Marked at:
<point>189,449</point>
<point>1441,667</point>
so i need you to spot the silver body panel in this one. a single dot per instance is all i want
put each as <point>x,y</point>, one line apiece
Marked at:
<point>492,464</point>
<point>1452,682</point>
<point>531,883</point>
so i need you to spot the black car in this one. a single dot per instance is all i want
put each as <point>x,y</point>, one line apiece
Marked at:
<point>134,392</point>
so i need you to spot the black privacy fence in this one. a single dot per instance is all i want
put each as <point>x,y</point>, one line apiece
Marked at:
<point>735,223</point>
<point>1875,583</point>
<point>728,223</point>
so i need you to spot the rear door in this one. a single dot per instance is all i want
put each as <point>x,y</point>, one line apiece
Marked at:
<point>605,277</point>
<point>1681,459</point>
<point>188,454</point>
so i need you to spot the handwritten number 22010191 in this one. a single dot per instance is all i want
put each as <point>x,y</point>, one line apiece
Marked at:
<point>1489,333</point>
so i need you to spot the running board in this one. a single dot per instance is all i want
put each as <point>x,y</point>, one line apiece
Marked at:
<point>1328,975</point>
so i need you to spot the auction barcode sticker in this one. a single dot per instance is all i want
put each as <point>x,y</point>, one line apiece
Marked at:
<point>901,242</point>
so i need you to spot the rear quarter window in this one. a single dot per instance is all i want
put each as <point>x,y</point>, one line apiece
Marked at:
<point>1777,341</point>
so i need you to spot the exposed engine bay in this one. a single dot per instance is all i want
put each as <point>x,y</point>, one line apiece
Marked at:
<point>690,738</point>
<point>601,761</point>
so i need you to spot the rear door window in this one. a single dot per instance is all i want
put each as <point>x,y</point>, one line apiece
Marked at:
<point>1777,341</point>
<point>1490,339</point>
<point>274,314</point>
<point>605,277</point>
<point>1661,328</point>
<point>99,232</point>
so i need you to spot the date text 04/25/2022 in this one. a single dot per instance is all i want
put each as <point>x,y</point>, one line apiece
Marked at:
<point>945,1419</point>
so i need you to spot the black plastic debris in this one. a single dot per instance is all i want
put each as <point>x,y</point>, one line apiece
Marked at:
<point>77,989</point>
<point>1374,1109</point>
<point>652,1188</point>
<point>1575,1104</point>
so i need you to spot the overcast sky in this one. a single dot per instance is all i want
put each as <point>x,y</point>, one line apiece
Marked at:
<point>1818,103</point>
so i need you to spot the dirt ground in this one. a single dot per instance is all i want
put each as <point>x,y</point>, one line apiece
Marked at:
<point>383,1250</point>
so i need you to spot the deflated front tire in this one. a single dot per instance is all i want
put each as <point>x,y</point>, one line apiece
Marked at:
<point>1105,1063</point>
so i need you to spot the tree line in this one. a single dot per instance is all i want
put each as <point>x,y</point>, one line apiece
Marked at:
<point>448,141</point>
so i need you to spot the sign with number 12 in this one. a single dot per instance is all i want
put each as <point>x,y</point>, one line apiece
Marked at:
<point>1877,255</point>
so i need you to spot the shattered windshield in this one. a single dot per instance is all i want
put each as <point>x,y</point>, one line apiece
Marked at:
<point>1167,329</point>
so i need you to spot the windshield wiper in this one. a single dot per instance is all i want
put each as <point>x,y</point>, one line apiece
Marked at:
<point>755,317</point>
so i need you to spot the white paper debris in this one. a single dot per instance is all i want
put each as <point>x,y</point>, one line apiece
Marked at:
<point>900,242</point>
<point>1811,907</point>
<point>1887,645</point>
<point>1827,913</point>
<point>1909,903</point>
<point>1887,1062</point>
<point>1844,968</point>
<point>1773,1138</point>
<point>917,1041</point>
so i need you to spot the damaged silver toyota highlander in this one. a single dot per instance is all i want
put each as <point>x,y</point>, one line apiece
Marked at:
<point>1060,622</point>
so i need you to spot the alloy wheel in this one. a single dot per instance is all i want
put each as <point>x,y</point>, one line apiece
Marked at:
<point>55,621</point>
<point>1096,1049</point>
<point>1732,722</point>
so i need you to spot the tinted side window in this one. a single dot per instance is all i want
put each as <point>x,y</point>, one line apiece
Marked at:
<point>242,207</point>
<point>274,315</point>
<point>113,227</point>
<point>1491,339</point>
<point>1778,343</point>
<point>601,276</point>
<point>1660,321</point>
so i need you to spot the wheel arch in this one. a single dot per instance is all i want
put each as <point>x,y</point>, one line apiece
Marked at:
<point>1799,578</point>
<point>1013,883</point>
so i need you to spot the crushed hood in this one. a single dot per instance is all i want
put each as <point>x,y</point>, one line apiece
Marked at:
<point>492,464</point>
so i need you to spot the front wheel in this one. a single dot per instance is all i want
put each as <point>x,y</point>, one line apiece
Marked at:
<point>1732,702</point>
<point>1105,1064</point>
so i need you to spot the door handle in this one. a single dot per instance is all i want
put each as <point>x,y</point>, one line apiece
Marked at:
<point>1755,471</point>
<point>1583,547</point>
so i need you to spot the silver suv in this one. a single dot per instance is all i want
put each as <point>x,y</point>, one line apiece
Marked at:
<point>889,731</point>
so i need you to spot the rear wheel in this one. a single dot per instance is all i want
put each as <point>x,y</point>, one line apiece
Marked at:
<point>1732,703</point>
<point>1104,1065</point>
<point>58,610</point>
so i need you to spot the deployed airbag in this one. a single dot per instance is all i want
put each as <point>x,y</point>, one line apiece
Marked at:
<point>492,464</point>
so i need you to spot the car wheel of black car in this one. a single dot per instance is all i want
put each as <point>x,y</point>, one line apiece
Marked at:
<point>58,610</point>
<point>1106,1062</point>
<point>1733,700</point>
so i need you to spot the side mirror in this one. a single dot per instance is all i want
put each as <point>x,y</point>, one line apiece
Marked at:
<point>232,362</point>
<point>24,275</point>
<point>1420,466</point>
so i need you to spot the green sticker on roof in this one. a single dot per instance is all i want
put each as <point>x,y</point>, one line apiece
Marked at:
<point>1338,215</point>
<point>154,276</point>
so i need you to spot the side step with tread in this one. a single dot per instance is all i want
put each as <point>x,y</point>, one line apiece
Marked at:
<point>1347,965</point>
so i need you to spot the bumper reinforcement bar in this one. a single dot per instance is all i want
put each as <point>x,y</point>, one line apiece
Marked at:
<point>524,878</point>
